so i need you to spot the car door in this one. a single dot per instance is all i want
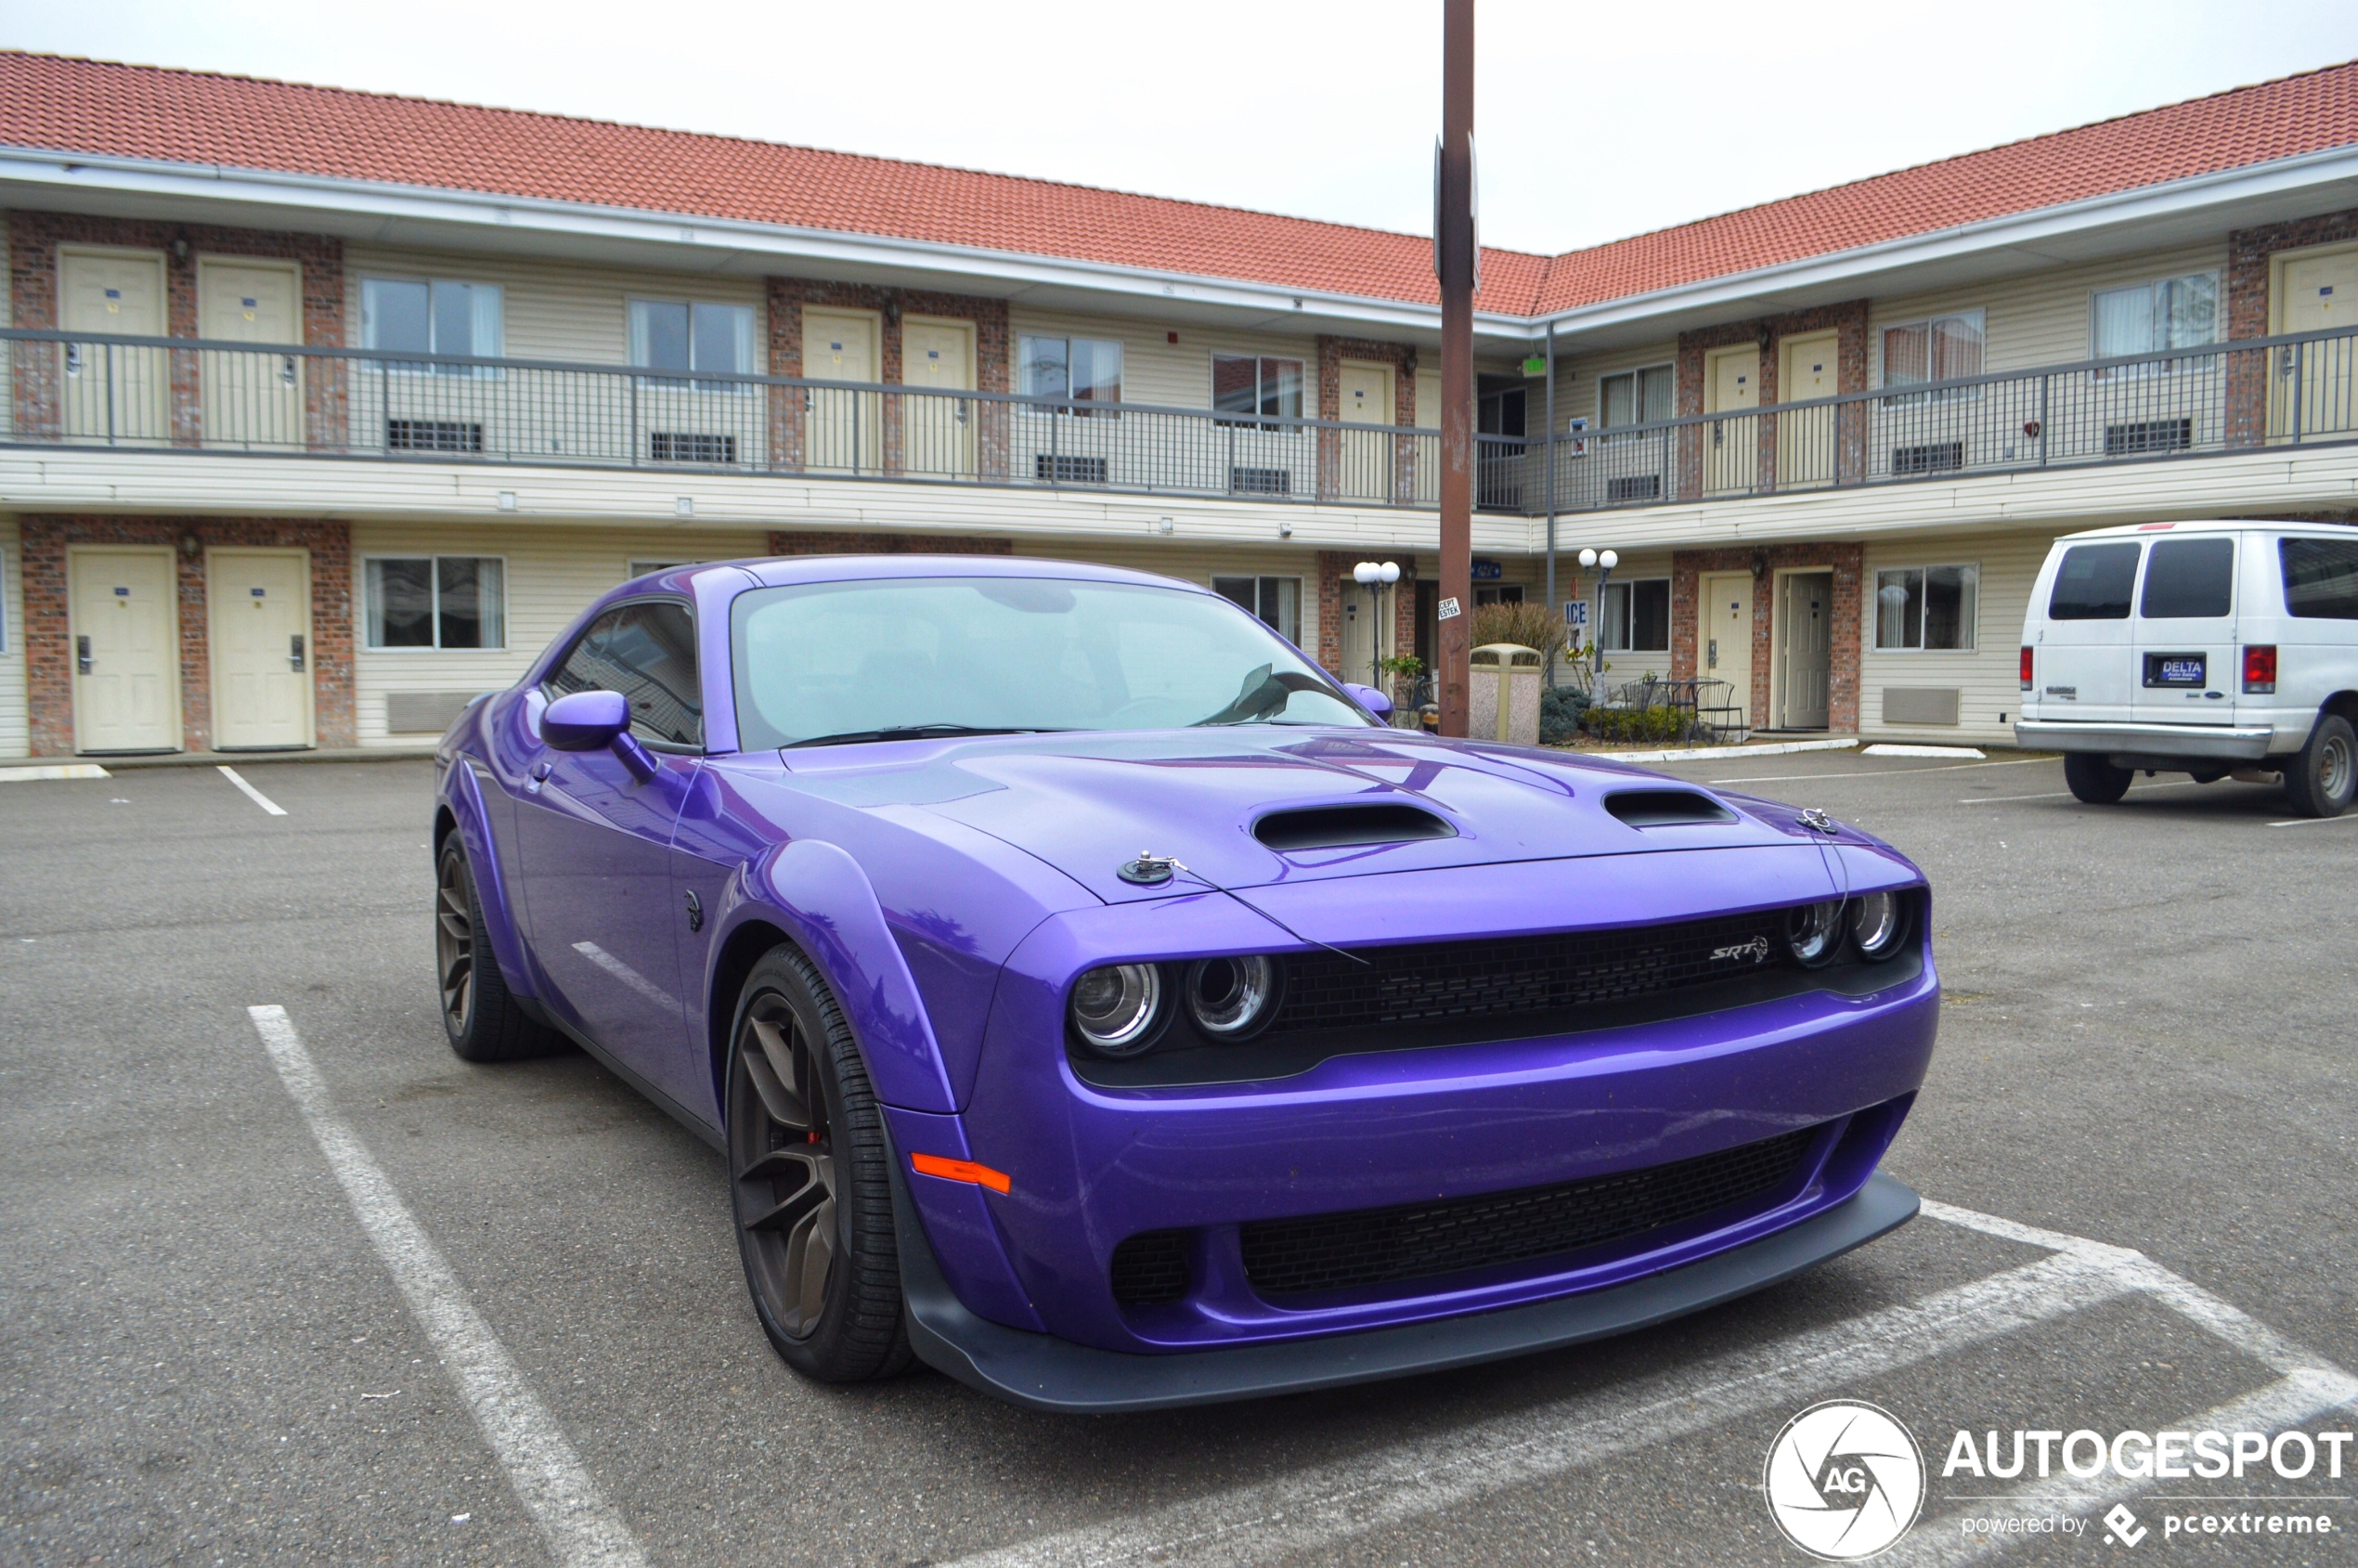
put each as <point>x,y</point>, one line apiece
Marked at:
<point>2185,634</point>
<point>2082,668</point>
<point>596,842</point>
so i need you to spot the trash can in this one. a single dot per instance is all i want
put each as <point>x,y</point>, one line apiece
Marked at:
<point>1503,699</point>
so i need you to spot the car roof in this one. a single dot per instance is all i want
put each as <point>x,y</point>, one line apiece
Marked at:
<point>781,571</point>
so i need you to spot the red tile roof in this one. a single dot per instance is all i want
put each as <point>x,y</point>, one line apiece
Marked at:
<point>180,116</point>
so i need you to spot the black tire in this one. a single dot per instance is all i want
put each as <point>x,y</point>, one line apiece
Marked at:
<point>2323,777</point>
<point>811,1180</point>
<point>2094,779</point>
<point>479,1018</point>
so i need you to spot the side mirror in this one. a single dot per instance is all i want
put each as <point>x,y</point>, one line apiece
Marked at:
<point>585,720</point>
<point>1375,702</point>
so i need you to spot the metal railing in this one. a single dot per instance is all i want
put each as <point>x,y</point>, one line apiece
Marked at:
<point>192,394</point>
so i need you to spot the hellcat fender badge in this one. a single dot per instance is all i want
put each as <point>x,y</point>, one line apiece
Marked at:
<point>1150,870</point>
<point>1818,821</point>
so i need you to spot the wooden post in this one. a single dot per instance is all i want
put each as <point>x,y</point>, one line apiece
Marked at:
<point>1457,260</point>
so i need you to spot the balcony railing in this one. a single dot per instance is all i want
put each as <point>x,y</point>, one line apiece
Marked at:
<point>192,394</point>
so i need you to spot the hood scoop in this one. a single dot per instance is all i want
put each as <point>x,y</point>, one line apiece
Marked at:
<point>1337,827</point>
<point>1666,807</point>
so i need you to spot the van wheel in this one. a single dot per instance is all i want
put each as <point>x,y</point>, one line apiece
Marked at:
<point>2094,779</point>
<point>2323,777</point>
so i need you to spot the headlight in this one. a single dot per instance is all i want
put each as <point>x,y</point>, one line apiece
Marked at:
<point>1232,998</point>
<point>1813,932</point>
<point>1115,1009</point>
<point>1878,921</point>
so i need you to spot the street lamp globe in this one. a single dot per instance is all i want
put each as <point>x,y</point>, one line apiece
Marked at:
<point>1609,560</point>
<point>1366,572</point>
<point>1587,558</point>
<point>1390,571</point>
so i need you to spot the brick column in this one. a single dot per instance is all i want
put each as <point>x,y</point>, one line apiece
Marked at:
<point>2250,256</point>
<point>1333,566</point>
<point>993,355</point>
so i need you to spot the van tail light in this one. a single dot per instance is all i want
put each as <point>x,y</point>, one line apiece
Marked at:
<point>2026,669</point>
<point>2259,668</point>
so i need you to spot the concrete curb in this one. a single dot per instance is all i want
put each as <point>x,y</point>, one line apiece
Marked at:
<point>1707,753</point>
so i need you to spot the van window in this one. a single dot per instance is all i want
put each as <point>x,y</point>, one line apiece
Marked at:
<point>2093,582</point>
<point>2321,579</point>
<point>2189,577</point>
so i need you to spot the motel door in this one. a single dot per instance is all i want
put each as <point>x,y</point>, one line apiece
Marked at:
<point>938,434</point>
<point>2321,293</point>
<point>1805,441</point>
<point>126,685</point>
<point>1731,446</point>
<point>260,622</point>
<point>113,395</point>
<point>1807,636</point>
<point>845,428</point>
<point>250,399</point>
<point>1365,457</point>
<point>1727,636</point>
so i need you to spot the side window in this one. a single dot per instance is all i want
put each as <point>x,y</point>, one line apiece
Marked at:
<point>648,653</point>
<point>2093,582</point>
<point>2189,577</point>
<point>2321,579</point>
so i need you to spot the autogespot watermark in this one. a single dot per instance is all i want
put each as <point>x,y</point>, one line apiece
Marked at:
<point>1844,1480</point>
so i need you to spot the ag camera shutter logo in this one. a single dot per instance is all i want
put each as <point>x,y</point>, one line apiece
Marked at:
<point>1844,1479</point>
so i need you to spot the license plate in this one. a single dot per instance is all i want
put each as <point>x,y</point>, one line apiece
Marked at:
<point>2176,669</point>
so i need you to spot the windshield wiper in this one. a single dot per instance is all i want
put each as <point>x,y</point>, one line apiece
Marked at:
<point>921,732</point>
<point>1263,695</point>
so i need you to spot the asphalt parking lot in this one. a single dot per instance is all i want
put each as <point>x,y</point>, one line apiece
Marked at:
<point>2139,1141</point>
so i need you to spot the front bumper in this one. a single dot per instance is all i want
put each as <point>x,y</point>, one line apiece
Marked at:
<point>1042,1372</point>
<point>2194,742</point>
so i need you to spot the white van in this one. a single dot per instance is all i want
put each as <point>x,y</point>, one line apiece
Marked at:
<point>2204,648</point>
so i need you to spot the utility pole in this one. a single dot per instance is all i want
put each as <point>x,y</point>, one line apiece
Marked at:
<point>1456,258</point>
<point>1548,456</point>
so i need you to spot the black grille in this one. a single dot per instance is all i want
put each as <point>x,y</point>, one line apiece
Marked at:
<point>434,435</point>
<point>1522,973</point>
<point>1386,1246</point>
<point>1150,1269</point>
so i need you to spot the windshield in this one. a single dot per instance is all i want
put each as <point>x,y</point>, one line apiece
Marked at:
<point>911,656</point>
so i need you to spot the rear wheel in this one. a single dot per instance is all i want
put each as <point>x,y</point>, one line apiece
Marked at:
<point>811,1180</point>
<point>2323,777</point>
<point>480,1018</point>
<point>2094,779</point>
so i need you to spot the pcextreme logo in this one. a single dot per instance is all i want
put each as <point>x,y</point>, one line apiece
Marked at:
<point>1844,1480</point>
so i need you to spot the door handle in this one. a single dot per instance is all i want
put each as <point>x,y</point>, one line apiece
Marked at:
<point>1713,661</point>
<point>81,654</point>
<point>295,653</point>
<point>540,772</point>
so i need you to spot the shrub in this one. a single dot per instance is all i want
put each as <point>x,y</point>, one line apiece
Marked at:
<point>1534,626</point>
<point>1657,723</point>
<point>1560,711</point>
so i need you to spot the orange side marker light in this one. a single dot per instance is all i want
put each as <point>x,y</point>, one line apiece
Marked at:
<point>959,1171</point>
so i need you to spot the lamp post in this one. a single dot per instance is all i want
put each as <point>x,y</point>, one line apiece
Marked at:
<point>1374,576</point>
<point>1607,559</point>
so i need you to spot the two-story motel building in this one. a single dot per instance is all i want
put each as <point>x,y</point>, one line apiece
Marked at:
<point>327,411</point>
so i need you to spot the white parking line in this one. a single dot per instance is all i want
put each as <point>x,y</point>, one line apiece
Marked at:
<point>1891,772</point>
<point>252,793</point>
<point>2064,794</point>
<point>581,1527</point>
<point>2311,821</point>
<point>1312,1510</point>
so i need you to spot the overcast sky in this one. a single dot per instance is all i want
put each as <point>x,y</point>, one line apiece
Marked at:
<point>1593,123</point>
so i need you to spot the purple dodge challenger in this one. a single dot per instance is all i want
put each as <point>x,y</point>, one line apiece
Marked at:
<point>1093,1000</point>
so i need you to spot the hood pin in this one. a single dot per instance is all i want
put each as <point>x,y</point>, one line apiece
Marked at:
<point>1818,821</point>
<point>1150,870</point>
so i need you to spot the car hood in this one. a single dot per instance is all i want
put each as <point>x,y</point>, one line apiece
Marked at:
<point>1087,805</point>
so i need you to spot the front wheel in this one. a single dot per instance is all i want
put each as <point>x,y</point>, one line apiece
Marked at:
<point>811,1180</point>
<point>2323,777</point>
<point>2094,779</point>
<point>479,1017</point>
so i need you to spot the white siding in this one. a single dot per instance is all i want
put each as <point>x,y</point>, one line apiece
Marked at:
<point>556,309</point>
<point>1577,378</point>
<point>1987,679</point>
<point>15,718</point>
<point>1154,370</point>
<point>2042,317</point>
<point>1621,668</point>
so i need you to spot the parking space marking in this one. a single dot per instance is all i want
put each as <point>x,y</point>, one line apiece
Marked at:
<point>252,793</point>
<point>1891,772</point>
<point>2066,795</point>
<point>1325,1504</point>
<point>2311,821</point>
<point>580,1526</point>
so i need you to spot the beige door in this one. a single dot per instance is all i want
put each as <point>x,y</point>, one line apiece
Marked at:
<point>1726,634</point>
<point>1804,644</point>
<point>126,683</point>
<point>1362,608</point>
<point>1364,459</point>
<point>937,431</point>
<point>1806,440</point>
<point>1731,446</point>
<point>260,625</point>
<point>1428,455</point>
<point>114,394</point>
<point>250,399</point>
<point>845,428</point>
<point>2320,294</point>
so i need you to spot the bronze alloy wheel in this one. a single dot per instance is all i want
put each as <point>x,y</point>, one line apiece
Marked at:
<point>454,941</point>
<point>482,1021</point>
<point>785,1165</point>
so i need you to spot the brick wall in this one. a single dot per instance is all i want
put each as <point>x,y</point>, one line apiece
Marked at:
<point>1847,319</point>
<point>2250,252</point>
<point>48,640</point>
<point>993,355</point>
<point>1846,562</point>
<point>33,238</point>
<point>1401,357</point>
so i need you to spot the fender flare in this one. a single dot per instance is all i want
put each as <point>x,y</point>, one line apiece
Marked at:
<point>818,894</point>
<point>465,800</point>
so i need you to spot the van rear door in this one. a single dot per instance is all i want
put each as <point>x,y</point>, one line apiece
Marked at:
<point>2184,632</point>
<point>2081,665</point>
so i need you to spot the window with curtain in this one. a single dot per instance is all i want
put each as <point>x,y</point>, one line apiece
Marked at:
<point>1944,348</point>
<point>1641,397</point>
<point>2150,318</point>
<point>692,335</point>
<point>1082,369</point>
<point>1243,384</point>
<point>1930,609</point>
<point>1278,601</point>
<point>439,317</point>
<point>1634,618</point>
<point>436,602</point>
